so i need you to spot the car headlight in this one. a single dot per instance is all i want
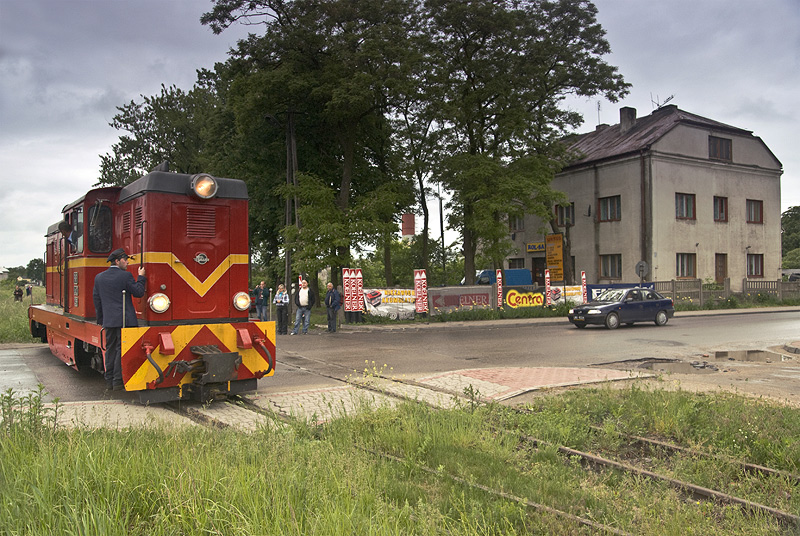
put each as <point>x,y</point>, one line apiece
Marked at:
<point>572,311</point>
<point>594,312</point>
<point>159,303</point>
<point>241,301</point>
<point>204,186</point>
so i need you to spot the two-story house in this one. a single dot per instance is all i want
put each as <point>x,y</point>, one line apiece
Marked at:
<point>691,197</point>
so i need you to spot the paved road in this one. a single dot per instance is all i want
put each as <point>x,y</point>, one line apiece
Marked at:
<point>437,348</point>
<point>507,356</point>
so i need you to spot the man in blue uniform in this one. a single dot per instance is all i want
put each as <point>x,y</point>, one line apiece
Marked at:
<point>108,303</point>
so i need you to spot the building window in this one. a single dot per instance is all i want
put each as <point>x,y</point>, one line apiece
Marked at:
<point>684,206</point>
<point>516,223</point>
<point>755,265</point>
<point>516,263</point>
<point>685,264</point>
<point>720,149</point>
<point>720,208</point>
<point>755,211</point>
<point>610,208</point>
<point>565,215</point>
<point>611,266</point>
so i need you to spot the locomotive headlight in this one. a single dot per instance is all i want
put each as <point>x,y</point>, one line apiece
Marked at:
<point>204,186</point>
<point>159,302</point>
<point>242,301</point>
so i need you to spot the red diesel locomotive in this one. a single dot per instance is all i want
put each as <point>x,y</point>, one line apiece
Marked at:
<point>194,338</point>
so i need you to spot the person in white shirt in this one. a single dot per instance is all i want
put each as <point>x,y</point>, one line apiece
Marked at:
<point>304,300</point>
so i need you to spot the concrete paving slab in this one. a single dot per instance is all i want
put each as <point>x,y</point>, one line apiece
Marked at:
<point>504,383</point>
<point>321,405</point>
<point>231,415</point>
<point>116,414</point>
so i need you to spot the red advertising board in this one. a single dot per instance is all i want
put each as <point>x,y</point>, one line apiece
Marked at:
<point>583,287</point>
<point>547,287</point>
<point>500,288</point>
<point>352,287</point>
<point>421,291</point>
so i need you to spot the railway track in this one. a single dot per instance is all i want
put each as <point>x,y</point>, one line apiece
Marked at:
<point>245,414</point>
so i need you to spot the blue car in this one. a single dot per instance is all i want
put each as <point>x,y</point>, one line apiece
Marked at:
<point>623,306</point>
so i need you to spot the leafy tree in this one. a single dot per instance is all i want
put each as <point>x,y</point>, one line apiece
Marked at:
<point>501,71</point>
<point>165,127</point>
<point>791,260</point>
<point>329,66</point>
<point>790,231</point>
<point>35,270</point>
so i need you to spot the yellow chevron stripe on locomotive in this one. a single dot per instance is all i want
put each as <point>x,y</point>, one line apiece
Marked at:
<point>254,342</point>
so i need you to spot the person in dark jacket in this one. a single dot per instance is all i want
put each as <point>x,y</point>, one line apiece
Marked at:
<point>304,300</point>
<point>333,302</point>
<point>262,301</point>
<point>109,302</point>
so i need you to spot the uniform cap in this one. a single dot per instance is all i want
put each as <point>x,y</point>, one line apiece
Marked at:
<point>118,253</point>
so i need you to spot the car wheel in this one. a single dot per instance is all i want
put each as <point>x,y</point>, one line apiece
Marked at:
<point>661,318</point>
<point>612,321</point>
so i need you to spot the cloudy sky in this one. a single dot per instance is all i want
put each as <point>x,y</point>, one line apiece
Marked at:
<point>65,65</point>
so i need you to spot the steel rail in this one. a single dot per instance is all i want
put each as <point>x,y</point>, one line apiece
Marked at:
<point>506,495</point>
<point>699,491</point>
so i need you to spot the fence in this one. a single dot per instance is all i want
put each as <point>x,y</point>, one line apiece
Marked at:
<point>695,291</point>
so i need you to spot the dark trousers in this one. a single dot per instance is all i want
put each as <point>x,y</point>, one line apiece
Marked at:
<point>283,320</point>
<point>113,359</point>
<point>332,319</point>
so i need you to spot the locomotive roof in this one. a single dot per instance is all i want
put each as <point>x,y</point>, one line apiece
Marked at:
<point>179,183</point>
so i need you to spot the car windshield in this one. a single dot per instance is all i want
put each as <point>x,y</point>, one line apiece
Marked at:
<point>611,295</point>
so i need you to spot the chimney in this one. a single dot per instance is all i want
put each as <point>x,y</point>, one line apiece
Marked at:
<point>407,228</point>
<point>627,118</point>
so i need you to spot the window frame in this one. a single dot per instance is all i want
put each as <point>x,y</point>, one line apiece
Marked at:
<point>609,264</point>
<point>685,266</point>
<point>720,149</point>
<point>561,211</point>
<point>754,203</point>
<point>516,224</point>
<point>720,216</point>
<point>609,208</point>
<point>755,265</point>
<point>682,207</point>
<point>516,263</point>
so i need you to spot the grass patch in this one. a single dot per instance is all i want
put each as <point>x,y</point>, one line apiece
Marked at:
<point>14,315</point>
<point>336,478</point>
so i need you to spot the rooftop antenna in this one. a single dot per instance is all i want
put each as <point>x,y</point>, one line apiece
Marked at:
<point>598,112</point>
<point>657,105</point>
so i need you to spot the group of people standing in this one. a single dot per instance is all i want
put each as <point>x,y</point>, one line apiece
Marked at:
<point>304,300</point>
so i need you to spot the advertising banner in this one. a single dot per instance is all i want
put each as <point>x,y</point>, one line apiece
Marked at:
<point>528,296</point>
<point>352,283</point>
<point>397,304</point>
<point>547,286</point>
<point>421,291</point>
<point>555,256</point>
<point>359,290</point>
<point>499,288</point>
<point>583,287</point>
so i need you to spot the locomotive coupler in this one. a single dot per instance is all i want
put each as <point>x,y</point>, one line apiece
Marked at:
<point>219,366</point>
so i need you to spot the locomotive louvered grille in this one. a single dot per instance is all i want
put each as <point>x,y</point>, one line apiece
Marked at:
<point>139,216</point>
<point>126,222</point>
<point>201,222</point>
